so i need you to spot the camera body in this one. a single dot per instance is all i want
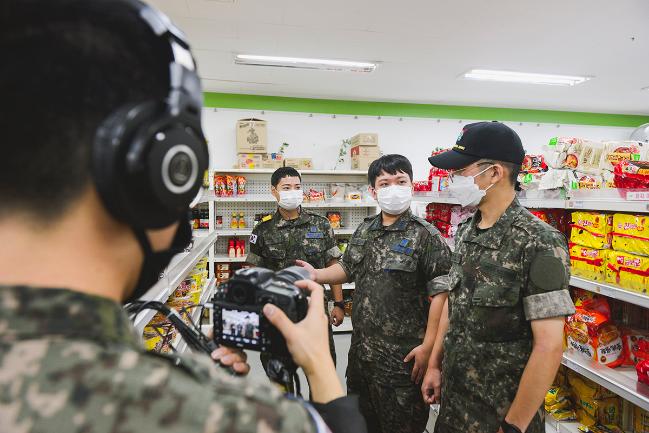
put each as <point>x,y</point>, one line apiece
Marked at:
<point>238,318</point>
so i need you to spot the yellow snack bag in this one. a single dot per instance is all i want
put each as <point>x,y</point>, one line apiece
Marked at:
<point>565,404</point>
<point>564,415</point>
<point>628,271</point>
<point>584,418</point>
<point>631,233</point>
<point>640,420</point>
<point>608,411</point>
<point>588,262</point>
<point>591,229</point>
<point>555,395</point>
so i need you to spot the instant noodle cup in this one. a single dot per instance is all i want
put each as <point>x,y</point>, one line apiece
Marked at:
<point>587,262</point>
<point>591,229</point>
<point>631,233</point>
<point>628,271</point>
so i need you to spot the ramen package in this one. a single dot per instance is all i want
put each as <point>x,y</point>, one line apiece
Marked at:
<point>632,340</point>
<point>631,233</point>
<point>534,164</point>
<point>587,262</point>
<point>632,174</point>
<point>591,229</point>
<point>643,371</point>
<point>618,151</point>
<point>588,181</point>
<point>628,271</point>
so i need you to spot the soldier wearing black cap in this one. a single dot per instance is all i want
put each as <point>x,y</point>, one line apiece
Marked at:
<point>500,340</point>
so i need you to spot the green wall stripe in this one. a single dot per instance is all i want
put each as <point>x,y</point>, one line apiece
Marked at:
<point>399,109</point>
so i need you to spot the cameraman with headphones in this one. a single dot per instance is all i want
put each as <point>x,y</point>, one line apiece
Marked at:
<point>102,152</point>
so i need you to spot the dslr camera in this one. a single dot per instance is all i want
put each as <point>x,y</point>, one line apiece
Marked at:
<point>238,318</point>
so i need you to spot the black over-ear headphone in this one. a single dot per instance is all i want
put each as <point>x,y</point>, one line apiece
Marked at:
<point>149,158</point>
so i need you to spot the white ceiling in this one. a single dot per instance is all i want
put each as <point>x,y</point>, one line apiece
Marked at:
<point>424,45</point>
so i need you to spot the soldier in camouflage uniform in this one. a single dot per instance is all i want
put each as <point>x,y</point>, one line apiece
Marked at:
<point>70,360</point>
<point>393,258</point>
<point>508,296</point>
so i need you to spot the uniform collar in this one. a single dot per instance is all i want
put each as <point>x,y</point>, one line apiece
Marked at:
<point>398,226</point>
<point>31,313</point>
<point>493,237</point>
<point>300,220</point>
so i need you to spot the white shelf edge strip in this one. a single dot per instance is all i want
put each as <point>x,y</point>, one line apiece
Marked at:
<point>172,278</point>
<point>345,327</point>
<point>611,291</point>
<point>621,381</point>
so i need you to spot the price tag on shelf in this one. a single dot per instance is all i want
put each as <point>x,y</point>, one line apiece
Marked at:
<point>575,204</point>
<point>637,195</point>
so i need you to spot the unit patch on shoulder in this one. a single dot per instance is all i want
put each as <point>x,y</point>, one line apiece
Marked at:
<point>253,239</point>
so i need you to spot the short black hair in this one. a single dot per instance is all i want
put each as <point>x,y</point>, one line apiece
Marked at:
<point>283,172</point>
<point>391,164</point>
<point>69,64</point>
<point>513,170</point>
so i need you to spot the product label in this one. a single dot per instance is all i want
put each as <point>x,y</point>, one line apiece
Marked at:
<point>610,352</point>
<point>584,349</point>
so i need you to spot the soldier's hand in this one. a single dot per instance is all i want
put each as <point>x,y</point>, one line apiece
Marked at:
<point>420,354</point>
<point>337,316</point>
<point>432,385</point>
<point>308,340</point>
<point>308,267</point>
<point>234,358</point>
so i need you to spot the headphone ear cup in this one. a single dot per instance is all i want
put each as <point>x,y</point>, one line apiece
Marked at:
<point>111,145</point>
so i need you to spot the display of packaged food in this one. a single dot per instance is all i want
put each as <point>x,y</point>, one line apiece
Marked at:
<point>337,192</point>
<point>591,229</point>
<point>618,151</point>
<point>534,164</point>
<point>588,181</point>
<point>631,233</point>
<point>587,262</point>
<point>334,219</point>
<point>241,185</point>
<point>627,270</point>
<point>642,368</point>
<point>353,194</point>
<point>590,157</point>
<point>219,185</point>
<point>632,174</point>
<point>563,152</point>
<point>230,186</point>
<point>631,338</point>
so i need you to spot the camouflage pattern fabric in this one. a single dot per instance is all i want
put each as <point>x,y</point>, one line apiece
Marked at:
<point>393,268</point>
<point>277,243</point>
<point>71,362</point>
<point>501,278</point>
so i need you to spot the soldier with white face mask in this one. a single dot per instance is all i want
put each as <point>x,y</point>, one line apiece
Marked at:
<point>393,258</point>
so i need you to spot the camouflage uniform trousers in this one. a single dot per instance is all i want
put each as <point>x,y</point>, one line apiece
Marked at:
<point>387,408</point>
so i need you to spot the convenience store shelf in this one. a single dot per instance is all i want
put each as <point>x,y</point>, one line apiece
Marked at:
<point>199,233</point>
<point>268,198</point>
<point>178,269</point>
<point>611,291</point>
<point>608,205</point>
<point>302,172</point>
<point>554,426</point>
<point>248,232</point>
<point>180,344</point>
<point>224,258</point>
<point>623,381</point>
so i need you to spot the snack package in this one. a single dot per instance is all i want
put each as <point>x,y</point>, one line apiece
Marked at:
<point>587,262</point>
<point>640,420</point>
<point>618,151</point>
<point>631,233</point>
<point>588,181</point>
<point>643,371</point>
<point>591,229</point>
<point>584,418</point>
<point>608,411</point>
<point>631,339</point>
<point>590,157</point>
<point>422,186</point>
<point>556,395</point>
<point>230,186</point>
<point>632,174</point>
<point>564,415</point>
<point>334,219</point>
<point>534,164</point>
<point>219,186</point>
<point>439,212</point>
<point>241,185</point>
<point>563,152</point>
<point>628,271</point>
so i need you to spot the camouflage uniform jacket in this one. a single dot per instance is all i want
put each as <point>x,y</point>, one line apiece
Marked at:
<point>276,244</point>
<point>501,279</point>
<point>71,362</point>
<point>393,268</point>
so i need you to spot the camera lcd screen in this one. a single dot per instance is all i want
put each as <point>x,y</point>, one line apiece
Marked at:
<point>240,327</point>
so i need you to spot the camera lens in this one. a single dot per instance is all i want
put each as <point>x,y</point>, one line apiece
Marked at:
<point>239,294</point>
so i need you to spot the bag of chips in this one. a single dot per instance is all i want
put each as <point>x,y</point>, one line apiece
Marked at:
<point>631,339</point>
<point>564,415</point>
<point>643,371</point>
<point>632,174</point>
<point>534,164</point>
<point>628,271</point>
<point>591,229</point>
<point>588,262</point>
<point>631,233</point>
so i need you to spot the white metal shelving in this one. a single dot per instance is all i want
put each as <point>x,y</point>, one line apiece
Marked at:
<point>224,258</point>
<point>248,232</point>
<point>554,426</point>
<point>623,381</point>
<point>179,343</point>
<point>302,172</point>
<point>178,269</point>
<point>199,233</point>
<point>611,291</point>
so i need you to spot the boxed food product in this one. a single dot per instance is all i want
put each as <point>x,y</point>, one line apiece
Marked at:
<point>640,420</point>
<point>365,139</point>
<point>252,136</point>
<point>631,233</point>
<point>367,151</point>
<point>628,271</point>
<point>249,160</point>
<point>299,163</point>
<point>272,161</point>
<point>632,174</point>
<point>587,262</point>
<point>591,229</point>
<point>362,162</point>
<point>618,151</point>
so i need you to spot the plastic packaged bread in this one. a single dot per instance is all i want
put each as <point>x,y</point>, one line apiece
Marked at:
<point>631,233</point>
<point>591,229</point>
<point>587,262</point>
<point>618,151</point>
<point>628,271</point>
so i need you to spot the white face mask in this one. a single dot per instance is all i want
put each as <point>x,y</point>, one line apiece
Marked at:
<point>394,199</point>
<point>291,199</point>
<point>466,190</point>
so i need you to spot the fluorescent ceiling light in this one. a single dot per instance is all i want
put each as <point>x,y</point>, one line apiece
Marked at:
<point>524,77</point>
<point>300,63</point>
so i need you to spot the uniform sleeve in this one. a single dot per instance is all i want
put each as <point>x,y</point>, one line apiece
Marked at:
<point>435,261</point>
<point>332,251</point>
<point>256,255</point>
<point>546,293</point>
<point>353,254</point>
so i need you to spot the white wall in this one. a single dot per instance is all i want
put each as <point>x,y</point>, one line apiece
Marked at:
<point>319,136</point>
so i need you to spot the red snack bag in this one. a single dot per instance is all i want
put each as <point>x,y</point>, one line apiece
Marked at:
<point>632,174</point>
<point>534,164</point>
<point>643,372</point>
<point>633,340</point>
<point>230,186</point>
<point>241,185</point>
<point>219,186</point>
